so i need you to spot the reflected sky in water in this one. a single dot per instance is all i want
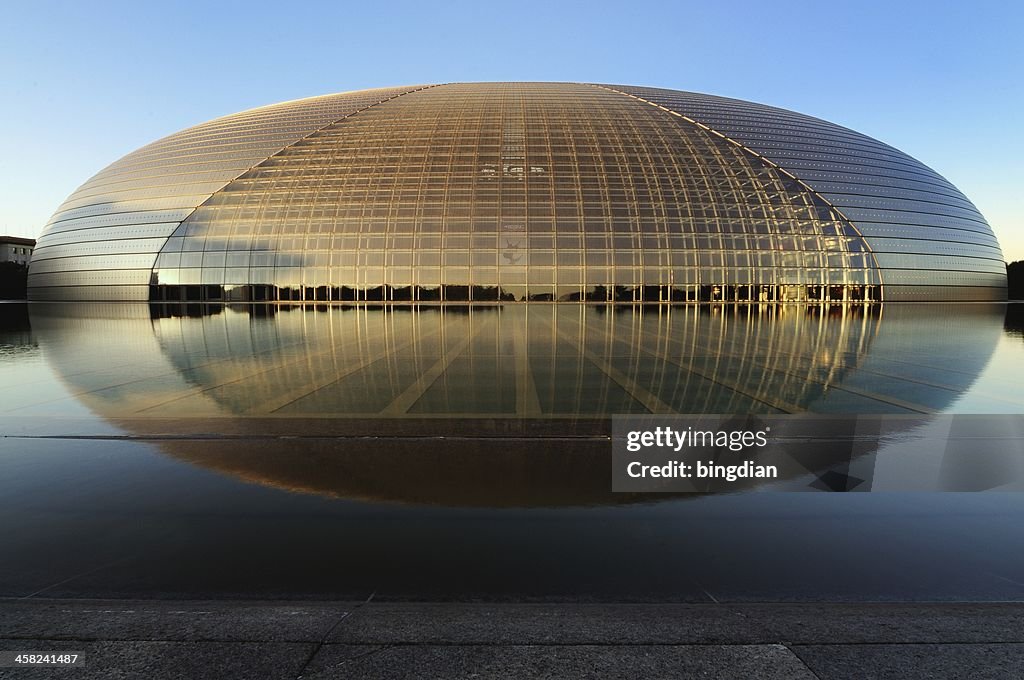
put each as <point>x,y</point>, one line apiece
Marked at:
<point>150,452</point>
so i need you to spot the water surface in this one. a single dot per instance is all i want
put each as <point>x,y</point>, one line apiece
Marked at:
<point>461,452</point>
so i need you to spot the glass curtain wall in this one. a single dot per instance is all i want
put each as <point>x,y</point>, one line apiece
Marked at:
<point>514,192</point>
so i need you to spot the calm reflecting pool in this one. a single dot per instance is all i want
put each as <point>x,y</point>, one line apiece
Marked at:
<point>516,361</point>
<point>463,452</point>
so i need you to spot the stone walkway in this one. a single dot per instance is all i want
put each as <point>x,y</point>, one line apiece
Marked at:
<point>291,640</point>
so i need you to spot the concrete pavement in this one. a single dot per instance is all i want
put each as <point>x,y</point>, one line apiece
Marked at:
<point>290,640</point>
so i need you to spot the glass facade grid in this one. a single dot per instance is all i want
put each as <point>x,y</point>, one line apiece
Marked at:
<point>161,184</point>
<point>537,192</point>
<point>869,183</point>
<point>611,186</point>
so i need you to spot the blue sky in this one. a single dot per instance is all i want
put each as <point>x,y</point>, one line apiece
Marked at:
<point>85,83</point>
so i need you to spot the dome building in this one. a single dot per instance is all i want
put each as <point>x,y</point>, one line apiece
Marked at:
<point>487,192</point>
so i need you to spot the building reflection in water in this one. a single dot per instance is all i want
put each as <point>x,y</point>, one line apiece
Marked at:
<point>425,391</point>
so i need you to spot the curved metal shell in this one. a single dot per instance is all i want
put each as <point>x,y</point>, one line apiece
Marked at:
<point>517,191</point>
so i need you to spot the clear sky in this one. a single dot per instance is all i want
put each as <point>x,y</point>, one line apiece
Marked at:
<point>84,83</point>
